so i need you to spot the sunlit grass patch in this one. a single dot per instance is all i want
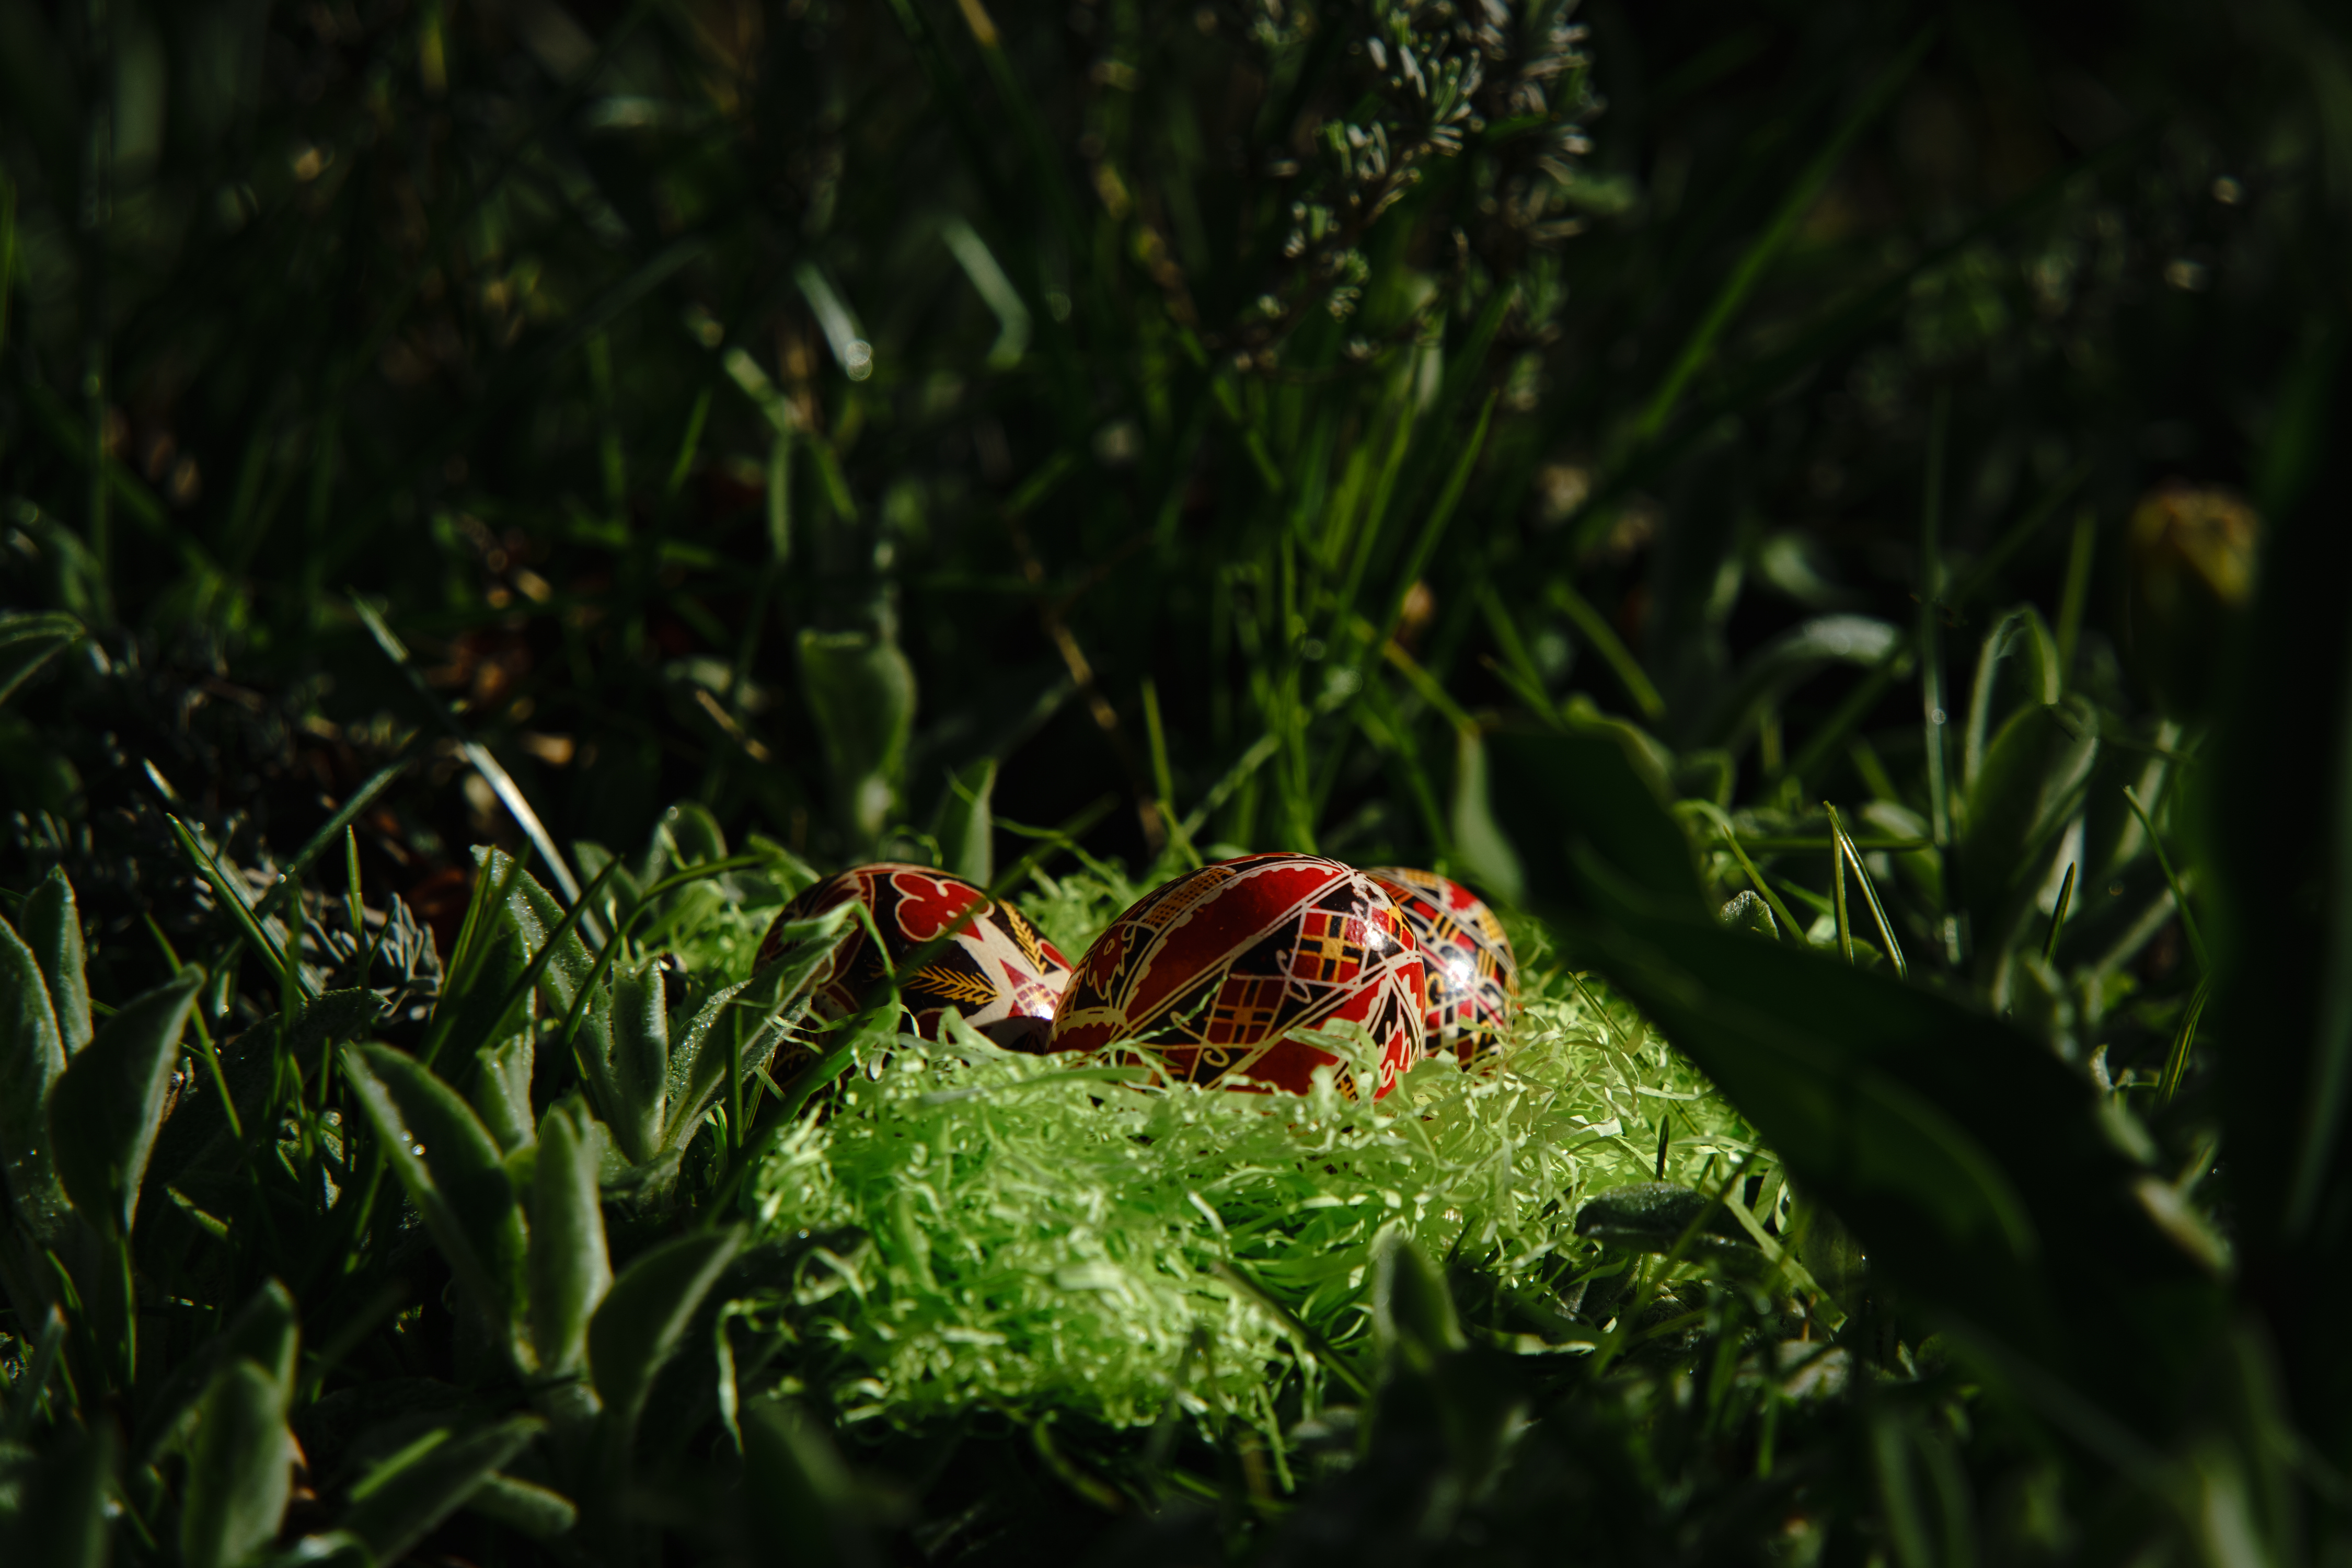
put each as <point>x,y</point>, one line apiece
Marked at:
<point>973,1227</point>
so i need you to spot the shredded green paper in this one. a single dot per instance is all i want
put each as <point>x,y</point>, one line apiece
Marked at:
<point>1043,1234</point>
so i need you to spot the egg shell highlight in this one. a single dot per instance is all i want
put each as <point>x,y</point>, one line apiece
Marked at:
<point>1211,972</point>
<point>998,970</point>
<point>1473,978</point>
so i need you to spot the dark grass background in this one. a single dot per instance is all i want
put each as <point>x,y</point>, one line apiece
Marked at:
<point>834,415</point>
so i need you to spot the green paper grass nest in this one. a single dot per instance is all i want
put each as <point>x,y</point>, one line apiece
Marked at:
<point>974,1228</point>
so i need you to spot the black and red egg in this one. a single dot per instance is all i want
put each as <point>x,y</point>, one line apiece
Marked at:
<point>1474,979</point>
<point>1212,973</point>
<point>993,967</point>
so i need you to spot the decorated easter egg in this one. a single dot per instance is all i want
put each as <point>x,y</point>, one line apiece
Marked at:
<point>1212,973</point>
<point>1474,980</point>
<point>996,969</point>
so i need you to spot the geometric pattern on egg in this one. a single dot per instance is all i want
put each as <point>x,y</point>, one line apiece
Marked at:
<point>1474,979</point>
<point>1211,974</point>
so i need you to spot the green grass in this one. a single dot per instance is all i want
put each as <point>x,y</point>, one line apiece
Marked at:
<point>1630,460</point>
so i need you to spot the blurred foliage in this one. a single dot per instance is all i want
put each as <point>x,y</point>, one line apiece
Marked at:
<point>1823,509</point>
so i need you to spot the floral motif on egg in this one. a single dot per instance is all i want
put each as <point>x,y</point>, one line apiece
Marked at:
<point>1474,979</point>
<point>1213,972</point>
<point>994,968</point>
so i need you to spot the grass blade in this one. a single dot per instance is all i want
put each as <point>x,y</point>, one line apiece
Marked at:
<point>1610,648</point>
<point>1767,247</point>
<point>404,1500</point>
<point>477,756</point>
<point>1865,696</point>
<point>1837,894</point>
<point>2175,1060</point>
<point>2172,880</point>
<point>2058,914</point>
<point>1434,529</point>
<point>232,898</point>
<point>1852,857</point>
<point>519,990</point>
<point>1756,879</point>
<point>27,642</point>
<point>291,874</point>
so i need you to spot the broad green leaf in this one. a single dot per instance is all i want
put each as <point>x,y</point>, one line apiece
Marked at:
<point>198,1141</point>
<point>569,1268</point>
<point>2017,664</point>
<point>502,1091</point>
<point>1922,868</point>
<point>64,1522</point>
<point>1787,662</point>
<point>2030,785</point>
<point>264,1331</point>
<point>2112,835</point>
<point>760,1008</point>
<point>53,930</point>
<point>1433,1380</point>
<point>536,913</point>
<point>1968,1158</point>
<point>267,1333</point>
<point>1412,1312</point>
<point>405,1498</point>
<point>965,825</point>
<point>645,1315</point>
<point>538,1512</point>
<point>697,1060</point>
<point>1655,1216</point>
<point>451,1167</point>
<point>861,689</point>
<point>32,1058</point>
<point>29,641</point>
<point>687,835</point>
<point>797,1489</point>
<point>1593,784</point>
<point>2274,793</point>
<point>1828,1251</point>
<point>39,1359</point>
<point>492,952</point>
<point>331,1017</point>
<point>788,871</point>
<point>620,891</point>
<point>106,1106</point>
<point>240,1467</point>
<point>639,1066</point>
<point>1746,911</point>
<point>1486,857</point>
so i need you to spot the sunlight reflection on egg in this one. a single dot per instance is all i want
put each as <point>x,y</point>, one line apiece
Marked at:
<point>1474,979</point>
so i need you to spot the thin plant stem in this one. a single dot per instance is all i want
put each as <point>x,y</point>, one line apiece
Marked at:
<point>2058,915</point>
<point>1852,857</point>
<point>2172,880</point>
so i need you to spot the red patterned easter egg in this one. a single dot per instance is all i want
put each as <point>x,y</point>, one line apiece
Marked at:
<point>1474,979</point>
<point>996,969</point>
<point>1212,972</point>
